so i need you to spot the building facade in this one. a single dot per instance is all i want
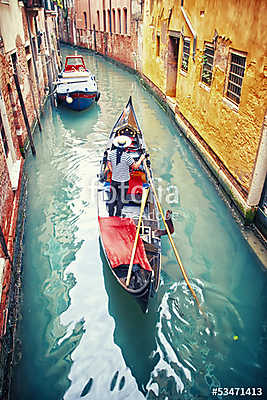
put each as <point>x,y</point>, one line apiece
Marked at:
<point>208,61</point>
<point>110,27</point>
<point>29,61</point>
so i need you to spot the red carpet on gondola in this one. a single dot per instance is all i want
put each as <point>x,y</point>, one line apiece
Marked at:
<point>118,236</point>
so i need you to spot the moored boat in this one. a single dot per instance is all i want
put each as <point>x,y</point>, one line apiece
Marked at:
<point>76,87</point>
<point>138,227</point>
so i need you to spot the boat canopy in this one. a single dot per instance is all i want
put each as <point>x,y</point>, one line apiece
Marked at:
<point>118,236</point>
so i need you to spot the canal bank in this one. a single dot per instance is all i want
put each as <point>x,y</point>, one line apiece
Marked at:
<point>79,333</point>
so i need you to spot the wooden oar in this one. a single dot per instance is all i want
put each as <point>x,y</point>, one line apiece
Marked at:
<point>143,203</point>
<point>170,238</point>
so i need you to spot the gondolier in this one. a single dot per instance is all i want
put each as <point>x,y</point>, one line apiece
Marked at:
<point>130,244</point>
<point>119,163</point>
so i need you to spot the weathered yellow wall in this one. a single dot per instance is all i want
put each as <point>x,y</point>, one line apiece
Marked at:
<point>233,133</point>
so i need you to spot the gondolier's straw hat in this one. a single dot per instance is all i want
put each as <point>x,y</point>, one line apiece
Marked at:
<point>122,141</point>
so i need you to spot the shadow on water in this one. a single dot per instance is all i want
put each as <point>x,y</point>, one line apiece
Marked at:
<point>134,331</point>
<point>78,122</point>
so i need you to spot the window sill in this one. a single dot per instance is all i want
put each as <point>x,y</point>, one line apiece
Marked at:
<point>203,86</point>
<point>182,72</point>
<point>231,105</point>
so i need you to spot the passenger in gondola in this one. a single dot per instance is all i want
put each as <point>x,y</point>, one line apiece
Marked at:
<point>119,163</point>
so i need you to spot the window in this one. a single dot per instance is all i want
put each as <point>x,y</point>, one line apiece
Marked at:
<point>114,20</point>
<point>98,20</point>
<point>85,19</point>
<point>125,21</point>
<point>235,77</point>
<point>104,20</point>
<point>74,61</point>
<point>208,59</point>
<point>119,20</point>
<point>186,53</point>
<point>158,45</point>
<point>109,21</point>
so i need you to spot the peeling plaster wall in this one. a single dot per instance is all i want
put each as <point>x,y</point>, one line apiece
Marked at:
<point>14,27</point>
<point>232,132</point>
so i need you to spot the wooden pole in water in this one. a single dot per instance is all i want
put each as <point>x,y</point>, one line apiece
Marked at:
<point>25,116</point>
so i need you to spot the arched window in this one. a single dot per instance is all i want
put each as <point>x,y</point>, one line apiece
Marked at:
<point>125,21</point>
<point>119,20</point>
<point>104,20</point>
<point>98,20</point>
<point>85,19</point>
<point>114,20</point>
<point>109,21</point>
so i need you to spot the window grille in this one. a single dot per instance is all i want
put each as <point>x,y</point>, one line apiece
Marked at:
<point>235,78</point>
<point>186,53</point>
<point>208,60</point>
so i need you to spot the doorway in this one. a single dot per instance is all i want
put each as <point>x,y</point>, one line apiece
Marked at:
<point>172,65</point>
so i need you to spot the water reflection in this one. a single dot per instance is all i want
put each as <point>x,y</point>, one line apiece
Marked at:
<point>134,331</point>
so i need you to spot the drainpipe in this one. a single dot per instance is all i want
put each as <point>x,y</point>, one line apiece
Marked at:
<point>191,29</point>
<point>260,169</point>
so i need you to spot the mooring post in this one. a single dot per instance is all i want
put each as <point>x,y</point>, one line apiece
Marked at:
<point>25,116</point>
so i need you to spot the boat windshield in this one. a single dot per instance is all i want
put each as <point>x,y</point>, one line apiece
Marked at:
<point>74,61</point>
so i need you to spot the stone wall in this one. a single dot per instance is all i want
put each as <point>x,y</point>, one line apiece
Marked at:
<point>231,132</point>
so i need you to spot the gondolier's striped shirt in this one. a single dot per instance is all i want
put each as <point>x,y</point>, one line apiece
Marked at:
<point>120,172</point>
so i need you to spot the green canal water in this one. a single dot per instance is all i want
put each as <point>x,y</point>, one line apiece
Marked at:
<point>81,336</point>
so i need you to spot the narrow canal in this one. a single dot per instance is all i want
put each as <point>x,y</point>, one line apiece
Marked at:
<point>80,335</point>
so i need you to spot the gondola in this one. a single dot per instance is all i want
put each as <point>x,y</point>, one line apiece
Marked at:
<point>117,234</point>
<point>76,87</point>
